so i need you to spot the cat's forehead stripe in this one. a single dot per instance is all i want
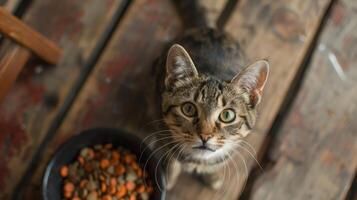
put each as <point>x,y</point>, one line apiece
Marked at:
<point>208,91</point>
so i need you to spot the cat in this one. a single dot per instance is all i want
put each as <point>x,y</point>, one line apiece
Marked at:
<point>208,100</point>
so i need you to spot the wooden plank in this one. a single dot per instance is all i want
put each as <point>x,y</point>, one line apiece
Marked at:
<point>315,149</point>
<point>11,6</point>
<point>11,65</point>
<point>280,31</point>
<point>16,30</point>
<point>34,101</point>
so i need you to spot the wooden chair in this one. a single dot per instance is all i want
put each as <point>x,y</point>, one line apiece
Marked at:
<point>28,41</point>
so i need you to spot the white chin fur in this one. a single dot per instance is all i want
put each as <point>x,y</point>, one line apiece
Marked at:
<point>207,155</point>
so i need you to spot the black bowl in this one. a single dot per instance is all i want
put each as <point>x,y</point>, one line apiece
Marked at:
<point>67,153</point>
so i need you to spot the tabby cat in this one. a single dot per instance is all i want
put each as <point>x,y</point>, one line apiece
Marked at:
<point>208,100</point>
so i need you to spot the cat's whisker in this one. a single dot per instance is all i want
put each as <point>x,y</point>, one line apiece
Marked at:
<point>167,136</point>
<point>173,153</point>
<point>153,153</point>
<point>225,182</point>
<point>168,163</point>
<point>180,149</point>
<point>246,171</point>
<point>228,166</point>
<point>151,135</point>
<point>256,160</point>
<point>237,174</point>
<point>245,167</point>
<point>165,164</point>
<point>158,135</point>
<point>147,125</point>
<point>223,188</point>
<point>154,121</point>
<point>157,150</point>
<point>226,161</point>
<point>250,146</point>
<point>164,155</point>
<point>152,142</point>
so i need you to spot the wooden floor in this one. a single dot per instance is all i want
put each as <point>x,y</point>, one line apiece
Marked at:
<point>306,135</point>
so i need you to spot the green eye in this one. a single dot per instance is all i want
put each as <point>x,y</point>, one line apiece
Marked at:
<point>188,109</point>
<point>227,116</point>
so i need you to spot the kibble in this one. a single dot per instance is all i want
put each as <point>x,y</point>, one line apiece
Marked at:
<point>130,185</point>
<point>64,171</point>
<point>105,173</point>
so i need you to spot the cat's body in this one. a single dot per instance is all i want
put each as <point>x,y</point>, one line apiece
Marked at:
<point>214,53</point>
<point>207,97</point>
<point>218,59</point>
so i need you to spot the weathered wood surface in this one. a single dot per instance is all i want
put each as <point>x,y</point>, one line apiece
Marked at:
<point>314,152</point>
<point>114,92</point>
<point>11,63</point>
<point>13,28</point>
<point>282,32</point>
<point>37,96</point>
<point>114,95</point>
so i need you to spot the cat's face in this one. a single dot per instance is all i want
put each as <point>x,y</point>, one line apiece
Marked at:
<point>208,117</point>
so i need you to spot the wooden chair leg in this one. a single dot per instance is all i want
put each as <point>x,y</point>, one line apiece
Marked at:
<point>10,67</point>
<point>16,30</point>
<point>28,41</point>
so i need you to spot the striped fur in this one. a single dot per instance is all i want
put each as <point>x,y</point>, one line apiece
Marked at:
<point>207,70</point>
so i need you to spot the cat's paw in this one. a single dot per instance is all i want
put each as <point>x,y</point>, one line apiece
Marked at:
<point>173,172</point>
<point>170,183</point>
<point>216,184</point>
<point>214,181</point>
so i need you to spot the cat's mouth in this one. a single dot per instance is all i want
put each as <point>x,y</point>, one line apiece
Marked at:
<point>202,147</point>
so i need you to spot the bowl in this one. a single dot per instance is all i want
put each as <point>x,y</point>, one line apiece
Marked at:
<point>67,153</point>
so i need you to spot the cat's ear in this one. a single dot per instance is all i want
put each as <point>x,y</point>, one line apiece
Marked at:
<point>252,80</point>
<point>179,67</point>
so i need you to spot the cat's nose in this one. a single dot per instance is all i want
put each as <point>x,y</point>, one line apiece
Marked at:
<point>205,137</point>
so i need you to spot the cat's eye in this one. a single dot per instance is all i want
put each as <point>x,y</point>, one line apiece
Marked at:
<point>188,109</point>
<point>227,116</point>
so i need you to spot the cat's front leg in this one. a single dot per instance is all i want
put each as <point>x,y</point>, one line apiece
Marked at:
<point>172,173</point>
<point>214,180</point>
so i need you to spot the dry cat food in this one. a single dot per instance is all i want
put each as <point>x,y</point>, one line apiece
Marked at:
<point>105,173</point>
